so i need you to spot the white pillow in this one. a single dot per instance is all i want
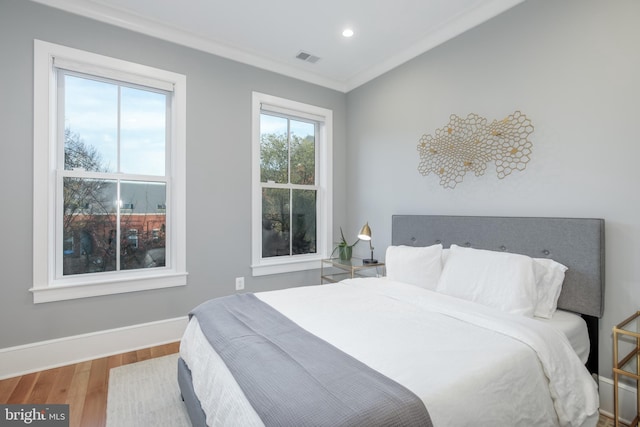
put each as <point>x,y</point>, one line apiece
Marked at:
<point>420,266</point>
<point>497,279</point>
<point>445,256</point>
<point>549,276</point>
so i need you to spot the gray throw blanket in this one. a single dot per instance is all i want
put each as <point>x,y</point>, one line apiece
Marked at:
<point>293,378</point>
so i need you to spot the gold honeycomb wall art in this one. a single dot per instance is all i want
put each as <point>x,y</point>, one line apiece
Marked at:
<point>470,144</point>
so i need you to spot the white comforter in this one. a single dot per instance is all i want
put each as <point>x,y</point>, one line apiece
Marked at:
<point>470,364</point>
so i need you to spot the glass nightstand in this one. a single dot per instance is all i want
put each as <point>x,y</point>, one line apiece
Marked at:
<point>626,335</point>
<point>334,269</point>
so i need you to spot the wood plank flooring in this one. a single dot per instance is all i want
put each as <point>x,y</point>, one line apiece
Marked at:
<point>83,385</point>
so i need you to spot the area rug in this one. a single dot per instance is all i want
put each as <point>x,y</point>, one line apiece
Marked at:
<point>146,394</point>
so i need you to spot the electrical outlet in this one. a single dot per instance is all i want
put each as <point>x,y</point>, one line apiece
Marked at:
<point>239,283</point>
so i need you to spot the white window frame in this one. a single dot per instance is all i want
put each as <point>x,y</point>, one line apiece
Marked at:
<point>324,155</point>
<point>46,287</point>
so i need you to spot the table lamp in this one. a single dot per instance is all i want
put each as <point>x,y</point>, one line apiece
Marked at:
<point>365,234</point>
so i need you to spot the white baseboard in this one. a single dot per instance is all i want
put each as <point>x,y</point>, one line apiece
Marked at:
<point>627,396</point>
<point>24,359</point>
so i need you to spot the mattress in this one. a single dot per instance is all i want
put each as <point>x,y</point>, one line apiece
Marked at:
<point>574,328</point>
<point>464,369</point>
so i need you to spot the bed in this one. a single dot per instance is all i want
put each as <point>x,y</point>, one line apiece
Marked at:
<point>409,349</point>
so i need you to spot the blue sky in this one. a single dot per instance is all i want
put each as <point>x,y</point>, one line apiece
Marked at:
<point>91,110</point>
<point>278,125</point>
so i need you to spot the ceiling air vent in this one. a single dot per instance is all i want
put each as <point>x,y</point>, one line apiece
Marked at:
<point>307,57</point>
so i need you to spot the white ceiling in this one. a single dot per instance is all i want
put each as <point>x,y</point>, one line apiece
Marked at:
<point>270,33</point>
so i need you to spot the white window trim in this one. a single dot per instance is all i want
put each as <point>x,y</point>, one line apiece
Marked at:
<point>46,287</point>
<point>274,265</point>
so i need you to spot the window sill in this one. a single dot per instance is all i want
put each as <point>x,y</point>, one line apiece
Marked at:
<point>278,267</point>
<point>107,287</point>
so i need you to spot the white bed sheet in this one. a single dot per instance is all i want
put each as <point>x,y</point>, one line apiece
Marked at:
<point>500,381</point>
<point>574,328</point>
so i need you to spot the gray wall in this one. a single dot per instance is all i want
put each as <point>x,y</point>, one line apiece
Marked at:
<point>218,173</point>
<point>573,68</point>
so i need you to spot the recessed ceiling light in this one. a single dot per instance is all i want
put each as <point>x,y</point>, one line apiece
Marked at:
<point>348,32</point>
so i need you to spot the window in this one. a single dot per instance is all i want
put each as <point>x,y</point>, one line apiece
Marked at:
<point>109,142</point>
<point>291,199</point>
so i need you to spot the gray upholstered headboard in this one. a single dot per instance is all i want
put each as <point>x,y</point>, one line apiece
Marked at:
<point>577,243</point>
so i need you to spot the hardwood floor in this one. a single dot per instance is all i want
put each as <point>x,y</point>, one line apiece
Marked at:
<point>83,385</point>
